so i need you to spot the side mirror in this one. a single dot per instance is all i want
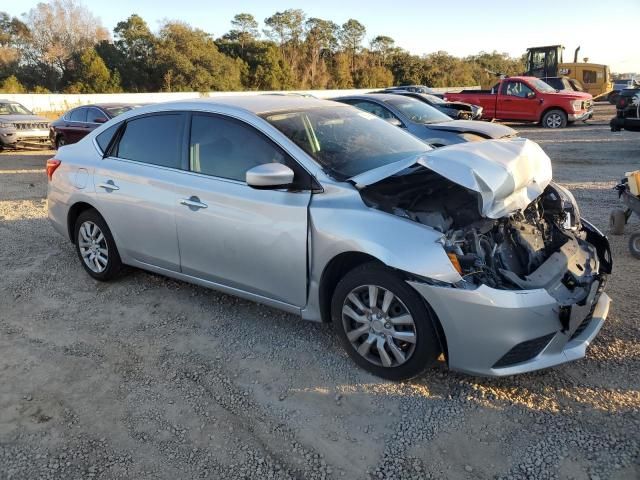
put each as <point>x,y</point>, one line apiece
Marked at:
<point>269,175</point>
<point>395,122</point>
<point>531,95</point>
<point>100,120</point>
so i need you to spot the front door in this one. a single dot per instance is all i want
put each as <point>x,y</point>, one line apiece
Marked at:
<point>517,101</point>
<point>135,189</point>
<point>232,234</point>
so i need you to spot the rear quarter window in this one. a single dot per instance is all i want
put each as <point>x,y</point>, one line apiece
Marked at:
<point>104,139</point>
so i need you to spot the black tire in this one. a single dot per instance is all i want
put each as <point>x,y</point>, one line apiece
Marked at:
<point>426,348</point>
<point>634,245</point>
<point>60,142</point>
<point>555,118</point>
<point>617,221</point>
<point>113,263</point>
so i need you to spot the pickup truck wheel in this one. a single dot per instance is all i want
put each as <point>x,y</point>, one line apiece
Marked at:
<point>554,119</point>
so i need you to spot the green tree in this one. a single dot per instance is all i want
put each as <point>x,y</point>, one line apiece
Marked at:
<point>245,30</point>
<point>287,29</point>
<point>320,43</point>
<point>12,85</point>
<point>189,60</point>
<point>91,75</point>
<point>13,34</point>
<point>381,47</point>
<point>351,36</point>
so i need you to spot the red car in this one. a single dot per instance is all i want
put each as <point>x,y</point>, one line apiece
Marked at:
<point>529,99</point>
<point>78,122</point>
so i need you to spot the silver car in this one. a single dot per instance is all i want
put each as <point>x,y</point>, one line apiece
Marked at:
<point>19,127</point>
<point>323,210</point>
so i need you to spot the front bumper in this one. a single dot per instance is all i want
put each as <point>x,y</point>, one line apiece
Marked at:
<point>580,116</point>
<point>505,332</point>
<point>17,138</point>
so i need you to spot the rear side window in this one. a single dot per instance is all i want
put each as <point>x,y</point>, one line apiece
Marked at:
<point>104,138</point>
<point>78,115</point>
<point>154,139</point>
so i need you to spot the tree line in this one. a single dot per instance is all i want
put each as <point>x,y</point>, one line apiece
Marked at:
<point>60,46</point>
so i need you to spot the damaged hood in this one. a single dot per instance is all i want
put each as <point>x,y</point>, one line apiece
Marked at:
<point>507,174</point>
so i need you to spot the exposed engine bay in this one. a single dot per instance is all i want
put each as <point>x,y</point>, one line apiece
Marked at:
<point>543,245</point>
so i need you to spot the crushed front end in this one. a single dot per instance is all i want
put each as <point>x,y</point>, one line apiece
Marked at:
<point>531,293</point>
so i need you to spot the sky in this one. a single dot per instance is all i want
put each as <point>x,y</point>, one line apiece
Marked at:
<point>462,27</point>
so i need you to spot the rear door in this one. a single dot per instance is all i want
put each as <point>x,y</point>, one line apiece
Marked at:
<point>517,101</point>
<point>135,188</point>
<point>232,234</point>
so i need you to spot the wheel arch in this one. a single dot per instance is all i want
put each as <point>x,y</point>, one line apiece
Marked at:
<point>74,212</point>
<point>344,262</point>
<point>548,109</point>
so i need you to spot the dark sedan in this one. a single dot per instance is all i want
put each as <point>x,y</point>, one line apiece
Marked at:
<point>455,110</point>
<point>424,121</point>
<point>78,122</point>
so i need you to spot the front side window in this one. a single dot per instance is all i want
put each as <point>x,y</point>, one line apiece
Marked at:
<point>12,108</point>
<point>93,114</point>
<point>153,139</point>
<point>519,89</point>
<point>346,141</point>
<point>227,148</point>
<point>78,115</point>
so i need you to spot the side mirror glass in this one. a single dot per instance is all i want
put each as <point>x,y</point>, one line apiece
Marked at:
<point>269,175</point>
<point>100,120</point>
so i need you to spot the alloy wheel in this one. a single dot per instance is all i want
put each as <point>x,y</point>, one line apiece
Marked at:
<point>93,247</point>
<point>379,326</point>
<point>554,120</point>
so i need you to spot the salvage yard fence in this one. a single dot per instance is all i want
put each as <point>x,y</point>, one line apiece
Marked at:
<point>60,102</point>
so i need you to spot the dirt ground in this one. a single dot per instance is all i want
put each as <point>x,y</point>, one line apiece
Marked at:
<point>149,378</point>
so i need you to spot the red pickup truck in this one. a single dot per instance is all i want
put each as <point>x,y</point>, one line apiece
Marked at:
<point>529,99</point>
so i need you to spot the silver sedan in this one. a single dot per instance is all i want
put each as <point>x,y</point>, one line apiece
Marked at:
<point>326,211</point>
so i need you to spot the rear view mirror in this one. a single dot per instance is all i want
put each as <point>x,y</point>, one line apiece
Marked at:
<point>269,175</point>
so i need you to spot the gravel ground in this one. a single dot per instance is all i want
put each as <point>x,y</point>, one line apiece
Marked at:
<point>149,378</point>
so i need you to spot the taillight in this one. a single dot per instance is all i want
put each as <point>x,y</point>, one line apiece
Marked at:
<point>621,102</point>
<point>52,165</point>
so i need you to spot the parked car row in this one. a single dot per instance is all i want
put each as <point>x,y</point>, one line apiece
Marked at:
<point>627,111</point>
<point>333,213</point>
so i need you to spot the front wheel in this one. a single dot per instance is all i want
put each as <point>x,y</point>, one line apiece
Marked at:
<point>383,323</point>
<point>95,246</point>
<point>554,119</point>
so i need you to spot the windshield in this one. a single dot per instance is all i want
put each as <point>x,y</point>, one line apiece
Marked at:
<point>13,109</point>
<point>346,141</point>
<point>418,111</point>
<point>115,111</point>
<point>432,98</point>
<point>541,86</point>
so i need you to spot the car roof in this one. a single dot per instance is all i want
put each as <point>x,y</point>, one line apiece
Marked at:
<point>264,103</point>
<point>383,97</point>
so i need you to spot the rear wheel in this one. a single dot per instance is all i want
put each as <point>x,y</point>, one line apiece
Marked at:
<point>554,119</point>
<point>617,221</point>
<point>95,246</point>
<point>60,141</point>
<point>383,323</point>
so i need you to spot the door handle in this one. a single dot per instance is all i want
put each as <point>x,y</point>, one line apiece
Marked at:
<point>193,202</point>
<point>109,185</point>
